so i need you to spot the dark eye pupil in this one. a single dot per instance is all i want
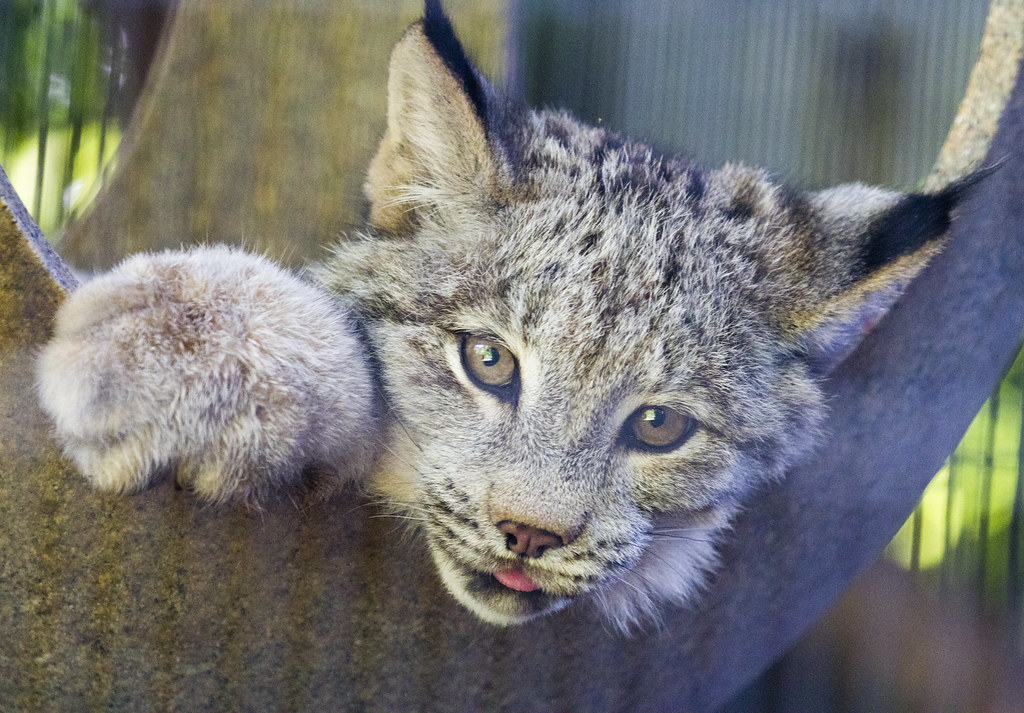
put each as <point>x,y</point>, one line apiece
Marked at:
<point>490,365</point>
<point>489,356</point>
<point>655,417</point>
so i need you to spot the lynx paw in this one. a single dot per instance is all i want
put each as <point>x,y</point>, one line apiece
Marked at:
<point>212,362</point>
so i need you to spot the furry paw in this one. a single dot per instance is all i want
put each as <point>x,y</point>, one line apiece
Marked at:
<point>212,362</point>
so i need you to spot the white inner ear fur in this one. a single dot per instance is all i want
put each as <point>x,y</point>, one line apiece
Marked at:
<point>832,332</point>
<point>435,148</point>
<point>829,332</point>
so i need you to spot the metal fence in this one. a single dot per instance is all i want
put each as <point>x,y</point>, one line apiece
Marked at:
<point>70,73</point>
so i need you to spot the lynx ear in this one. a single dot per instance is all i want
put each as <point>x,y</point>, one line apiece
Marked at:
<point>435,151</point>
<point>887,239</point>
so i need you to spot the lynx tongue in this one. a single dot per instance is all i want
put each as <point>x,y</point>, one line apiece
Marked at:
<point>516,579</point>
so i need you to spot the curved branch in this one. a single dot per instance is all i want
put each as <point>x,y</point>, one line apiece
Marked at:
<point>902,401</point>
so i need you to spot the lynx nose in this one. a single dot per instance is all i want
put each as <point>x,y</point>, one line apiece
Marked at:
<point>528,540</point>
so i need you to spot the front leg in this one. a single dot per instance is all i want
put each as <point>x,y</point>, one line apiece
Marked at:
<point>215,363</point>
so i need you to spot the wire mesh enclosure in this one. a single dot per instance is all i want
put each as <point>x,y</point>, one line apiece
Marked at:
<point>819,91</point>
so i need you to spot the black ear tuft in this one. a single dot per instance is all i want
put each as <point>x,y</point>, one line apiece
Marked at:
<point>917,219</point>
<point>438,29</point>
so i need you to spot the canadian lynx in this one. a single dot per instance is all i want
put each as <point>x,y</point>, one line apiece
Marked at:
<point>570,358</point>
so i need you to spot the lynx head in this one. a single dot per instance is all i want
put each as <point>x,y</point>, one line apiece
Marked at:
<point>591,353</point>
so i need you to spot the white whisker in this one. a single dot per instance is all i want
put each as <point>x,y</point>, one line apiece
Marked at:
<point>662,536</point>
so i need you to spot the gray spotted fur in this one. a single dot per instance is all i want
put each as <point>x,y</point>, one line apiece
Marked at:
<point>617,277</point>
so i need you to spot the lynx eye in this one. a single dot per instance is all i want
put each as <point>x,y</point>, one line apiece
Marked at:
<point>489,364</point>
<point>659,428</point>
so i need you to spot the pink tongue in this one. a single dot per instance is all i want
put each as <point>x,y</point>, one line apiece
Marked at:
<point>516,579</point>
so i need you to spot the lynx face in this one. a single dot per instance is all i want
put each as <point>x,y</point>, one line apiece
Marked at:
<point>590,353</point>
<point>577,408</point>
<point>579,400</point>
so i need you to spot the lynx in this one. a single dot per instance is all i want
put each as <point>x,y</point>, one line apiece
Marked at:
<point>570,359</point>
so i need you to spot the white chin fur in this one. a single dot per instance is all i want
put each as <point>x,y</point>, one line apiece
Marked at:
<point>455,582</point>
<point>672,570</point>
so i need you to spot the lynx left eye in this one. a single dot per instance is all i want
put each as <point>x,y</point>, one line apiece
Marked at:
<point>489,364</point>
<point>659,428</point>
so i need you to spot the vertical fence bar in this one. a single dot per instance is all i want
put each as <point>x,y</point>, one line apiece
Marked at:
<point>949,548</point>
<point>49,13</point>
<point>77,88</point>
<point>986,495</point>
<point>1014,575</point>
<point>915,539</point>
<point>117,58</point>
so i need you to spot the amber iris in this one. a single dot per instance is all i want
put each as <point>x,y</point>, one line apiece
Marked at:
<point>488,362</point>
<point>660,427</point>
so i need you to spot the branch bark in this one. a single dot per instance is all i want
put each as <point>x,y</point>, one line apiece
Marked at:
<point>256,126</point>
<point>152,603</point>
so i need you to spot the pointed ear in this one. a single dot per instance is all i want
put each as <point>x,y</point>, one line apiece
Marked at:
<point>887,239</point>
<point>436,151</point>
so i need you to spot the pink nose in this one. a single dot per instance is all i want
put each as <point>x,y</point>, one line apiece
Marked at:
<point>528,540</point>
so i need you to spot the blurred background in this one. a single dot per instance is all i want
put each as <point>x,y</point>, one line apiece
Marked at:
<point>818,91</point>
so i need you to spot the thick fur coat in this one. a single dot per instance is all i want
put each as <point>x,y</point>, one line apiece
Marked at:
<point>568,358</point>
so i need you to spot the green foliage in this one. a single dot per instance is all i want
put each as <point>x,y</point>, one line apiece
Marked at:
<point>19,53</point>
<point>54,79</point>
<point>967,531</point>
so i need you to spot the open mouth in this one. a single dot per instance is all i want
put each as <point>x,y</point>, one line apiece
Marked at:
<point>516,602</point>
<point>501,592</point>
<point>515,578</point>
<point>507,595</point>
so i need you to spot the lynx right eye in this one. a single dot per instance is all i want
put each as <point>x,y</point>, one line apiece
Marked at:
<point>489,364</point>
<point>659,428</point>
